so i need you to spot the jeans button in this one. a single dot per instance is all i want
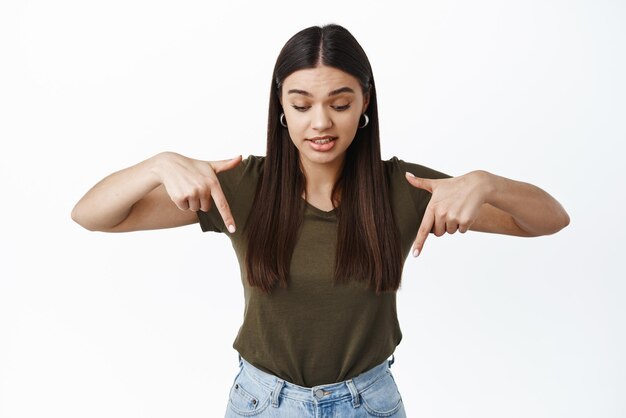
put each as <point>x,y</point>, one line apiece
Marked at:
<point>319,393</point>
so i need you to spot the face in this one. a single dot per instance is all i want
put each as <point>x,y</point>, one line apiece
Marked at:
<point>326,103</point>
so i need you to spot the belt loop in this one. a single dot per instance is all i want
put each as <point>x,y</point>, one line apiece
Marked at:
<point>355,394</point>
<point>390,362</point>
<point>277,388</point>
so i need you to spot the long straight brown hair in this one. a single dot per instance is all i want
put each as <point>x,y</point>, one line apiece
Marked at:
<point>368,242</point>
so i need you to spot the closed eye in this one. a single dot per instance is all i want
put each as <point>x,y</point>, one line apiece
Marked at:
<point>338,108</point>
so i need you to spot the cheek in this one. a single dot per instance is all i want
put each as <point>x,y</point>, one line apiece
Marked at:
<point>350,122</point>
<point>297,125</point>
<point>297,128</point>
<point>298,118</point>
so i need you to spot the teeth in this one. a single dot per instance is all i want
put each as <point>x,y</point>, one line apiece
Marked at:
<point>322,141</point>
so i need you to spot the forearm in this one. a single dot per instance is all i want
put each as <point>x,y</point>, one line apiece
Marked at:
<point>109,202</point>
<point>533,210</point>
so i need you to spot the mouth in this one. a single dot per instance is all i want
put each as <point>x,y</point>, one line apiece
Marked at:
<point>320,140</point>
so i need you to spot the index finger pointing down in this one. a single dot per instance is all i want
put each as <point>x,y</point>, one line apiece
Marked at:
<point>425,227</point>
<point>222,206</point>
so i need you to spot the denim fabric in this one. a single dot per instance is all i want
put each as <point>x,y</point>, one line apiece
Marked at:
<point>374,393</point>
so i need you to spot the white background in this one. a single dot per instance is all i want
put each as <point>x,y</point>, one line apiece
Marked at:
<point>141,324</point>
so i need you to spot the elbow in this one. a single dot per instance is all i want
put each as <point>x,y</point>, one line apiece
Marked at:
<point>558,220</point>
<point>76,217</point>
<point>554,225</point>
<point>565,220</point>
<point>93,223</point>
<point>562,217</point>
<point>562,220</point>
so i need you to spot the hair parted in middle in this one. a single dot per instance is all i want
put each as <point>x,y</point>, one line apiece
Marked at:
<point>368,241</point>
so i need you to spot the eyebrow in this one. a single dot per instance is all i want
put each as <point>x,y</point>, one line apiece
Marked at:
<point>332,93</point>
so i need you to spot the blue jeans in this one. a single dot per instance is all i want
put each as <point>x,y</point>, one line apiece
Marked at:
<point>373,393</point>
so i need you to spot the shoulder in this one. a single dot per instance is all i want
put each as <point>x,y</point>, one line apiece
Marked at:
<point>250,168</point>
<point>399,187</point>
<point>251,164</point>
<point>398,167</point>
<point>239,186</point>
<point>253,160</point>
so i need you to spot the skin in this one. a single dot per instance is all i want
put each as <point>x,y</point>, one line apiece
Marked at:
<point>167,189</point>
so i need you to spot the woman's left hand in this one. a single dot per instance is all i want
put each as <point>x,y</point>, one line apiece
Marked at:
<point>454,205</point>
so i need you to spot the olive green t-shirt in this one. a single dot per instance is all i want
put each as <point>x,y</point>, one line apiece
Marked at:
<point>313,333</point>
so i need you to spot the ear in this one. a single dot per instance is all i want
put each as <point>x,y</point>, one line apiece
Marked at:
<point>366,102</point>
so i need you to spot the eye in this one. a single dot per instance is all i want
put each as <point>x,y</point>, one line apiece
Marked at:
<point>337,108</point>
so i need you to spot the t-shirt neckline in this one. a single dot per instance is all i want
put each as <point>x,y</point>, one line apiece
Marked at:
<point>319,211</point>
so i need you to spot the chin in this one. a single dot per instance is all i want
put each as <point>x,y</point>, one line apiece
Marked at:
<point>324,159</point>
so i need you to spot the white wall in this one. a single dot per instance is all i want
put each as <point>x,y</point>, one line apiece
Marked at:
<point>141,324</point>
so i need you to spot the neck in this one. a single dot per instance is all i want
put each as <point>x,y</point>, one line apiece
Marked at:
<point>321,178</point>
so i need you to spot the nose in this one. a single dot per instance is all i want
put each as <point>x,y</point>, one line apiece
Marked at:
<point>321,119</point>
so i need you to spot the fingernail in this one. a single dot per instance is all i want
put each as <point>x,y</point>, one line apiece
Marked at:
<point>416,252</point>
<point>231,229</point>
<point>409,174</point>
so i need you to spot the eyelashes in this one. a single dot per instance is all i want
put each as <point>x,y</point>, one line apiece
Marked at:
<point>337,108</point>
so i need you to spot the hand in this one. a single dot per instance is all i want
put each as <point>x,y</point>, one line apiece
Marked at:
<point>192,183</point>
<point>454,205</point>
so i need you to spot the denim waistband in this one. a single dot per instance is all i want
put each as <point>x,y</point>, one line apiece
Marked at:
<point>321,393</point>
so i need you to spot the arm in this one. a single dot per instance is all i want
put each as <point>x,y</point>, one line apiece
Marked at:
<point>517,208</point>
<point>163,191</point>
<point>485,202</point>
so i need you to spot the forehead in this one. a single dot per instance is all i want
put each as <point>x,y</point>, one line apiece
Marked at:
<point>320,80</point>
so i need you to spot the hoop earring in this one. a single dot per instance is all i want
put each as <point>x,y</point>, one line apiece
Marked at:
<point>367,120</point>
<point>282,115</point>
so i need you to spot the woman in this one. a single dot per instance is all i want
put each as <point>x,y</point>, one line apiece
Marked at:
<point>321,227</point>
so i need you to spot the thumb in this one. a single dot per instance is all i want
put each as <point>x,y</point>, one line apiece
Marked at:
<point>223,165</point>
<point>426,184</point>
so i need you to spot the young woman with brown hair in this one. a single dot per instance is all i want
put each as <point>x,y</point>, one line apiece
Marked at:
<point>321,227</point>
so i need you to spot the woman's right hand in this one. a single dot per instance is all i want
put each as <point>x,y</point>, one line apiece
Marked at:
<point>163,191</point>
<point>191,184</point>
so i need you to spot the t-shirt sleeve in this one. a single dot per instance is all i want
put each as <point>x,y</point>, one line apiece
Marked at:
<point>420,197</point>
<point>238,185</point>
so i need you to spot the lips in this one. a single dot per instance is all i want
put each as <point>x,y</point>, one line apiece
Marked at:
<point>322,143</point>
<point>322,139</point>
